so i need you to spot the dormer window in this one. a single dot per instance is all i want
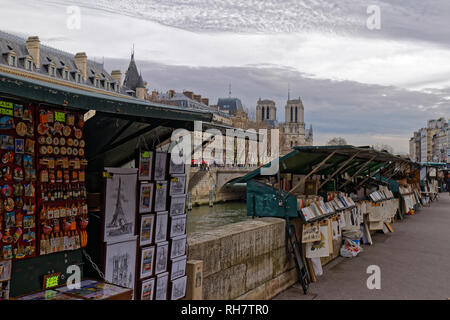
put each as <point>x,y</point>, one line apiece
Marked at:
<point>28,64</point>
<point>96,83</point>
<point>52,71</point>
<point>108,85</point>
<point>78,78</point>
<point>12,60</point>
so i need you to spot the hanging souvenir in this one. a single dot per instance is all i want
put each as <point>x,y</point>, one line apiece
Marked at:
<point>76,142</point>
<point>70,119</point>
<point>56,150</point>
<point>27,161</point>
<point>81,152</point>
<point>63,151</point>
<point>67,131</point>
<point>69,151</point>
<point>6,190</point>
<point>18,159</point>
<point>50,116</point>
<point>29,190</point>
<point>8,157</point>
<point>18,189</point>
<point>19,203</point>
<point>43,128</point>
<point>19,146</point>
<point>70,142</point>
<point>9,204</point>
<point>7,142</point>
<point>6,123</point>
<point>27,114</point>
<point>43,150</point>
<point>29,146</point>
<point>62,141</point>
<point>49,149</point>
<point>48,140</point>
<point>78,133</point>
<point>18,174</point>
<point>81,122</point>
<point>57,127</point>
<point>18,111</point>
<point>42,140</point>
<point>21,129</point>
<point>75,151</point>
<point>30,130</point>
<point>6,174</point>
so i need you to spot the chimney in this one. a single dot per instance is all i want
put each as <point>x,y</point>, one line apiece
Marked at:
<point>81,62</point>
<point>141,93</point>
<point>154,95</point>
<point>197,97</point>
<point>171,93</point>
<point>34,49</point>
<point>117,76</point>
<point>188,94</point>
<point>205,101</point>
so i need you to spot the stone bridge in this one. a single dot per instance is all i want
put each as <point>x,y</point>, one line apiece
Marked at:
<point>202,181</point>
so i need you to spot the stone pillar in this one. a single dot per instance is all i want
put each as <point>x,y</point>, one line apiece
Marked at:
<point>194,285</point>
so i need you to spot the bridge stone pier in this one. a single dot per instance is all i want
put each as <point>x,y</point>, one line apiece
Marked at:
<point>202,181</point>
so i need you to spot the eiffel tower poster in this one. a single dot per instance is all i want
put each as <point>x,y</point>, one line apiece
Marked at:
<point>120,204</point>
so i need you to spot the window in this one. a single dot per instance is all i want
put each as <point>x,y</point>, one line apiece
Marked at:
<point>96,83</point>
<point>78,77</point>
<point>262,113</point>
<point>296,114</point>
<point>52,71</point>
<point>66,75</point>
<point>12,60</point>
<point>108,85</point>
<point>268,113</point>
<point>292,118</point>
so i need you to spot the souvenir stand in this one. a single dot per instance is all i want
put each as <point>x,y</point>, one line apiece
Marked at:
<point>332,192</point>
<point>56,142</point>
<point>429,181</point>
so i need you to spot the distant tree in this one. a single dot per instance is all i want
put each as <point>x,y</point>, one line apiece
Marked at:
<point>384,147</point>
<point>337,141</point>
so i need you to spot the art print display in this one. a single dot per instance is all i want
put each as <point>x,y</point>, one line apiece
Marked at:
<point>145,165</point>
<point>177,205</point>
<point>47,295</point>
<point>177,226</point>
<point>147,226</point>
<point>177,184</point>
<point>319,248</point>
<point>178,267</point>
<point>178,288</point>
<point>93,290</point>
<point>311,233</point>
<point>162,253</point>
<point>160,165</point>
<point>160,196</point>
<point>178,247</point>
<point>175,167</point>
<point>120,204</point>
<point>162,282</point>
<point>147,289</point>
<point>5,270</point>
<point>145,197</point>
<point>147,261</point>
<point>120,263</point>
<point>162,219</point>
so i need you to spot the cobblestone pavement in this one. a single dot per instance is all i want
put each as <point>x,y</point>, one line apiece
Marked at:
<point>414,262</point>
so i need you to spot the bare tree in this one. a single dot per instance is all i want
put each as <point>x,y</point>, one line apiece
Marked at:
<point>337,141</point>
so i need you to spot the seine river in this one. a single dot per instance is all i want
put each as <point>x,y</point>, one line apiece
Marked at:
<point>204,218</point>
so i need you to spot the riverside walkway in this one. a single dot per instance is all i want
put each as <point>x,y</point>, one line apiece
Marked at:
<point>414,262</point>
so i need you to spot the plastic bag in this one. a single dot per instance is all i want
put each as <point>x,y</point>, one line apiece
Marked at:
<point>350,249</point>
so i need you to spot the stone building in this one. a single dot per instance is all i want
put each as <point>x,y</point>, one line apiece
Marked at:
<point>431,144</point>
<point>266,112</point>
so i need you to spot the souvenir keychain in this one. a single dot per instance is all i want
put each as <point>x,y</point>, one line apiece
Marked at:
<point>6,190</point>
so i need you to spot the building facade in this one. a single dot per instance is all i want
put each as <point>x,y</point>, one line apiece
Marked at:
<point>431,144</point>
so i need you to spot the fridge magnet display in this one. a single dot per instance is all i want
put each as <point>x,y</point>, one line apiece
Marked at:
<point>147,261</point>
<point>178,247</point>
<point>160,165</point>
<point>145,197</point>
<point>145,165</point>
<point>162,281</point>
<point>6,142</point>
<point>6,123</point>
<point>147,222</point>
<point>162,252</point>
<point>177,205</point>
<point>19,146</point>
<point>178,288</point>
<point>147,289</point>
<point>120,263</point>
<point>162,219</point>
<point>120,204</point>
<point>160,196</point>
<point>177,184</point>
<point>177,225</point>
<point>178,267</point>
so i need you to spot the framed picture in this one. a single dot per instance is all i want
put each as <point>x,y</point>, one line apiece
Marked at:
<point>5,270</point>
<point>160,196</point>
<point>147,261</point>
<point>178,288</point>
<point>176,168</point>
<point>162,280</point>
<point>177,205</point>
<point>145,165</point>
<point>147,226</point>
<point>178,267</point>
<point>120,204</point>
<point>178,247</point>
<point>177,226</point>
<point>177,184</point>
<point>319,248</point>
<point>160,165</point>
<point>145,197</point>
<point>162,253</point>
<point>162,219</point>
<point>120,263</point>
<point>147,289</point>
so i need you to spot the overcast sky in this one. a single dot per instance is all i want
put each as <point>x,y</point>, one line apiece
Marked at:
<point>368,86</point>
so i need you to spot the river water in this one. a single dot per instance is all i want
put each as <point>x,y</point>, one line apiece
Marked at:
<point>203,218</point>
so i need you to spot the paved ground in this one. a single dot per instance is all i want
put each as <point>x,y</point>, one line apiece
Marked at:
<point>414,262</point>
